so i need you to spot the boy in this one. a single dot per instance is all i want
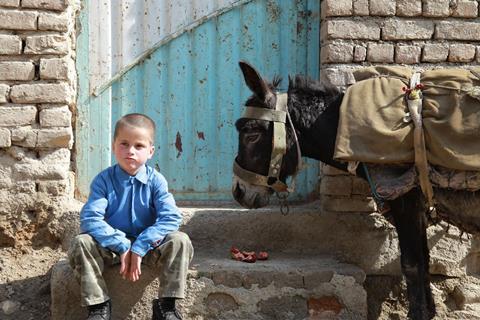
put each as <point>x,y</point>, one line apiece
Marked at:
<point>130,218</point>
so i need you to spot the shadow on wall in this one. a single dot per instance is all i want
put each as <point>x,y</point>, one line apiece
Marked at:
<point>386,297</point>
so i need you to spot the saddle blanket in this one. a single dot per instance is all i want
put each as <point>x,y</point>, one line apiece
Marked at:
<point>394,181</point>
<point>374,124</point>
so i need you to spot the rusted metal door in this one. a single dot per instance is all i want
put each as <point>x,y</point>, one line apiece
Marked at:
<point>177,61</point>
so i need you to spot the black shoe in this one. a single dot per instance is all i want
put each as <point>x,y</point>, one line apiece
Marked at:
<point>161,314</point>
<point>101,311</point>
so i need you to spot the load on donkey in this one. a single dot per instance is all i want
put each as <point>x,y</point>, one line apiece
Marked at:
<point>413,136</point>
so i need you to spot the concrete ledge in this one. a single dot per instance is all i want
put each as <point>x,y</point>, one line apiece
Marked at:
<point>283,287</point>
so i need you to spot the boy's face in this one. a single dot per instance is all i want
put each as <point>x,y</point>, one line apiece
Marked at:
<point>132,148</point>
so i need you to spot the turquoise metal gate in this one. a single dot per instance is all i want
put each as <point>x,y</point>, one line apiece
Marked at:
<point>190,83</point>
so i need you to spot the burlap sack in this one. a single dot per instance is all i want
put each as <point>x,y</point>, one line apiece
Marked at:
<point>372,125</point>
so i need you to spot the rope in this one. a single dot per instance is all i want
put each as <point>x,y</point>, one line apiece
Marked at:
<point>414,101</point>
<point>376,197</point>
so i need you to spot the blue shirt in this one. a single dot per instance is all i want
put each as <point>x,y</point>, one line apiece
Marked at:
<point>121,207</point>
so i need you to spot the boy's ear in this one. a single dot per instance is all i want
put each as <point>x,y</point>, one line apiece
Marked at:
<point>152,151</point>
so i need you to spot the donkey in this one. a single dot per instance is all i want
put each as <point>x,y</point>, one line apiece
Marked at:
<point>314,113</point>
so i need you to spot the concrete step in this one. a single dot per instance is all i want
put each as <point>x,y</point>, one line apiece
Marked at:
<point>367,241</point>
<point>283,287</point>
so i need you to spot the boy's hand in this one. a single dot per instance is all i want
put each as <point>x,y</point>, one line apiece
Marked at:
<point>135,267</point>
<point>125,263</point>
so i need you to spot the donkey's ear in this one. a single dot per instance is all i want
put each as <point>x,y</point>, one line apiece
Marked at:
<point>254,81</point>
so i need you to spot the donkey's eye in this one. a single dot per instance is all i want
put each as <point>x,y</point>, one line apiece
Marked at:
<point>252,137</point>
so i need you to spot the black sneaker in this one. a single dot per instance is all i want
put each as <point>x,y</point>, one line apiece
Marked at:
<point>101,311</point>
<point>160,314</point>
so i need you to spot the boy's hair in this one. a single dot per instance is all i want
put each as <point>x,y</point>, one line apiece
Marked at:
<point>136,120</point>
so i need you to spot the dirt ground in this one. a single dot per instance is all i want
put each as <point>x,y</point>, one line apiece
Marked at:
<point>25,282</point>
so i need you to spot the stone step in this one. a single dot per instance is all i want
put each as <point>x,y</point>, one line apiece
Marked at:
<point>283,287</point>
<point>367,241</point>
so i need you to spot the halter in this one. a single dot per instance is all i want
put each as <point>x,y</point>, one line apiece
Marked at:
<point>279,146</point>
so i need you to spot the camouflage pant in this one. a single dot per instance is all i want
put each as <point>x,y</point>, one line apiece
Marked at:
<point>88,260</point>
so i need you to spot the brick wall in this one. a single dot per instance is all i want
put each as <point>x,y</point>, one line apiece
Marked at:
<point>360,33</point>
<point>37,94</point>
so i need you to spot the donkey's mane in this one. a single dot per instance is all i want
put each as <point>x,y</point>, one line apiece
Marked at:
<point>309,99</point>
<point>301,84</point>
<point>310,96</point>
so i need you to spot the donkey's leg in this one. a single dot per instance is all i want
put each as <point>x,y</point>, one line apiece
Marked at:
<point>410,221</point>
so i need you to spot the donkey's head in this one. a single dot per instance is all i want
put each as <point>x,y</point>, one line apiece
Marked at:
<point>265,155</point>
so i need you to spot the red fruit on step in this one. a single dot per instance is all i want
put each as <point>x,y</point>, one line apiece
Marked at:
<point>251,258</point>
<point>236,254</point>
<point>262,255</point>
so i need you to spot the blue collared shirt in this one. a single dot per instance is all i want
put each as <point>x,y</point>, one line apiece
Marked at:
<point>121,207</point>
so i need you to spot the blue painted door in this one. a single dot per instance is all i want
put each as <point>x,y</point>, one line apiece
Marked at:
<point>189,82</point>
